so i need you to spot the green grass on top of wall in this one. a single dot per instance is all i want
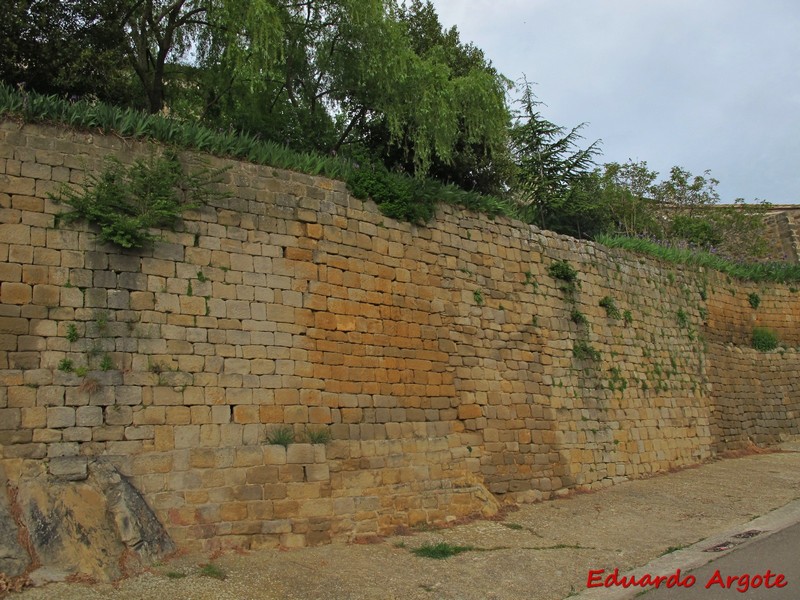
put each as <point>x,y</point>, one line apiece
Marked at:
<point>774,272</point>
<point>398,196</point>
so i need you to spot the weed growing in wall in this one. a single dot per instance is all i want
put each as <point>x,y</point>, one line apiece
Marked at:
<point>126,203</point>
<point>72,333</point>
<point>754,300</point>
<point>608,303</point>
<point>577,317</point>
<point>281,436</point>
<point>682,318</point>
<point>764,339</point>
<point>582,350</point>
<point>616,382</point>
<point>561,269</point>
<point>318,435</point>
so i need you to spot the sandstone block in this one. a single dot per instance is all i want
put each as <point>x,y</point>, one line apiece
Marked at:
<point>300,454</point>
<point>60,416</point>
<point>15,293</point>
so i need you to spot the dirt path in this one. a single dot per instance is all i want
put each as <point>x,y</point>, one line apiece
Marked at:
<point>542,551</point>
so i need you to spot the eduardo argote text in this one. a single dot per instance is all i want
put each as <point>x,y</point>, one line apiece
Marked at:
<point>741,582</point>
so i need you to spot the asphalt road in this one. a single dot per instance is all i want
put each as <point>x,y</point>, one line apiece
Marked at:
<point>778,553</point>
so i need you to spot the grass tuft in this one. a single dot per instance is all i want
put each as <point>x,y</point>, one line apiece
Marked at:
<point>281,436</point>
<point>440,551</point>
<point>212,570</point>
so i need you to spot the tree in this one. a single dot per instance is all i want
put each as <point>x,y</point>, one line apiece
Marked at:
<point>627,192</point>
<point>548,161</point>
<point>682,210</point>
<point>70,48</point>
<point>479,159</point>
<point>243,34</point>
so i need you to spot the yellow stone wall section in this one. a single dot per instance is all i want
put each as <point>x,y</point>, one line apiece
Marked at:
<point>440,359</point>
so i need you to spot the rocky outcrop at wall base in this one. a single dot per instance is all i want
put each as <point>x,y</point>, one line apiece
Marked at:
<point>95,526</point>
<point>13,557</point>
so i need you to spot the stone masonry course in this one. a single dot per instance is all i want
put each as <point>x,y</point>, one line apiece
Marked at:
<point>449,368</point>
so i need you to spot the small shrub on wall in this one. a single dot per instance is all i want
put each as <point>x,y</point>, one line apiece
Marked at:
<point>764,339</point>
<point>126,203</point>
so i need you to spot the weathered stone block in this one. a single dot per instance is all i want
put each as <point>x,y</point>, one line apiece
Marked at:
<point>60,416</point>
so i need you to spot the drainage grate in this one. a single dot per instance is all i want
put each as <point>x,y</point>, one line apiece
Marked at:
<point>720,547</point>
<point>748,534</point>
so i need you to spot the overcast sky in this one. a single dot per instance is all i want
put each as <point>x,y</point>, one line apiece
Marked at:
<point>703,84</point>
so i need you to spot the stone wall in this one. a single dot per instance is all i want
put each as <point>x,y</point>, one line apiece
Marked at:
<point>441,359</point>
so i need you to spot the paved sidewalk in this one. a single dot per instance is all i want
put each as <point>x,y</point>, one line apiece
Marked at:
<point>540,552</point>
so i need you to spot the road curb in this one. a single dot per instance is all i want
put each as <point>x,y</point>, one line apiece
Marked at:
<point>699,554</point>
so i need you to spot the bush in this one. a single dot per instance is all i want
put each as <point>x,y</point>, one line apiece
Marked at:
<point>610,305</point>
<point>583,350</point>
<point>126,203</point>
<point>561,269</point>
<point>577,317</point>
<point>764,339</point>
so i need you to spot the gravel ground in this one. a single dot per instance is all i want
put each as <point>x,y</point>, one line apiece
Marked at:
<point>541,551</point>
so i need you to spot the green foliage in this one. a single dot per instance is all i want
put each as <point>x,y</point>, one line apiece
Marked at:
<point>478,296</point>
<point>445,117</point>
<point>764,339</point>
<point>212,570</point>
<point>319,435</point>
<point>608,303</point>
<point>174,575</point>
<point>398,196</point>
<point>682,318</point>
<point>65,365</point>
<point>754,299</point>
<point>106,364</point>
<point>775,272</point>
<point>577,317</point>
<point>394,194</point>
<point>414,199</point>
<point>282,435</point>
<point>616,382</point>
<point>627,317</point>
<point>582,350</point>
<point>547,162</point>
<point>625,194</point>
<point>529,280</point>
<point>440,551</point>
<point>70,48</point>
<point>72,333</point>
<point>127,203</point>
<point>561,269</point>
